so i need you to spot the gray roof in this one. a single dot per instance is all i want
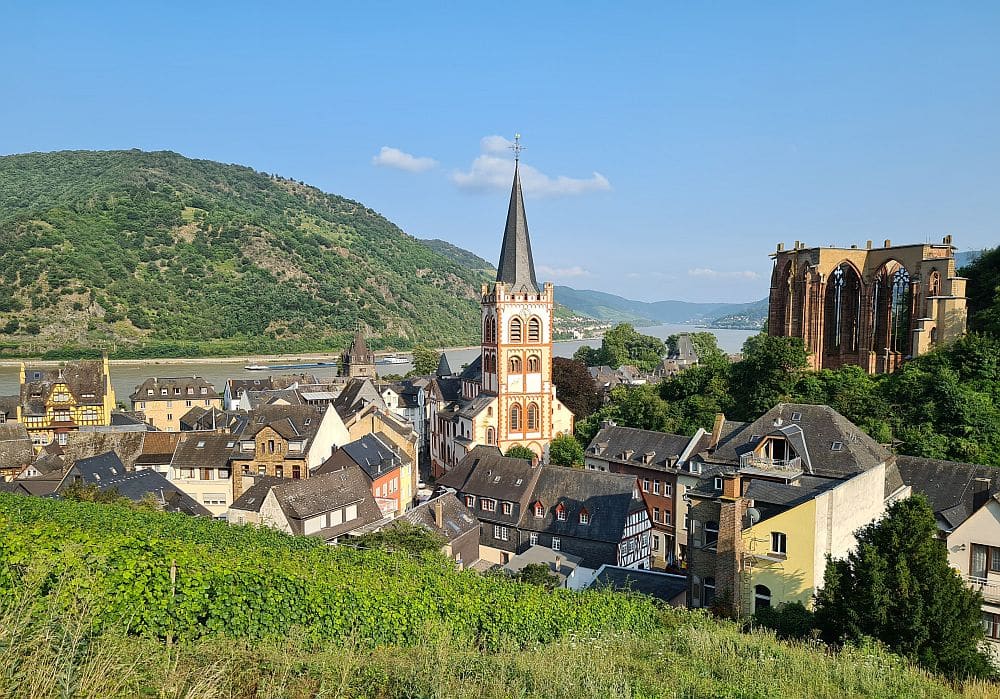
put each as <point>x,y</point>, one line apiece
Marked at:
<point>821,428</point>
<point>357,395</point>
<point>301,499</point>
<point>543,555</point>
<point>474,370</point>
<point>456,518</point>
<point>486,473</point>
<point>359,352</point>
<point>607,497</point>
<point>293,422</point>
<point>15,446</point>
<point>443,368</point>
<point>663,586</point>
<point>516,267</point>
<point>85,379</point>
<point>8,406</point>
<point>649,449</point>
<point>375,456</point>
<point>203,450</point>
<point>950,486</point>
<point>253,497</point>
<point>177,388</point>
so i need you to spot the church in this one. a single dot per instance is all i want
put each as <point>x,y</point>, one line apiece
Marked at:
<point>506,396</point>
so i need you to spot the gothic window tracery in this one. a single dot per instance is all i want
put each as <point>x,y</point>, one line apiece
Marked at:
<point>532,417</point>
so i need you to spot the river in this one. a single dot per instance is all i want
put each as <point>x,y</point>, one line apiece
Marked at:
<point>126,375</point>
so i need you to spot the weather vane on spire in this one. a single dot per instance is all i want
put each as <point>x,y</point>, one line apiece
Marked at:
<point>517,147</point>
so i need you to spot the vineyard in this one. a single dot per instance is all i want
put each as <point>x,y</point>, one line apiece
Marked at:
<point>171,576</point>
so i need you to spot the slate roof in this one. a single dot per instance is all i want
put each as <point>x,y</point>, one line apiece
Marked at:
<point>443,368</point>
<point>821,426</point>
<point>516,267</point>
<point>376,457</point>
<point>202,420</point>
<point>486,473</point>
<point>662,586</point>
<point>157,448</point>
<point>203,450</point>
<point>950,486</point>
<point>359,352</point>
<point>457,519</point>
<point>357,395</point>
<point>606,497</point>
<point>254,496</point>
<point>293,422</point>
<point>655,450</point>
<point>301,499</point>
<point>772,498</point>
<point>177,387</point>
<point>240,386</point>
<point>8,406</point>
<point>450,388</point>
<point>16,451</point>
<point>474,407</point>
<point>85,377</point>
<point>474,371</point>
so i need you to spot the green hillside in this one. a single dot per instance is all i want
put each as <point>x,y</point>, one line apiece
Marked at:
<point>155,254</point>
<point>99,600</point>
<point>617,309</point>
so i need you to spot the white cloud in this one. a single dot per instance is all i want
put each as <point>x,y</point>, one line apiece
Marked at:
<point>716,274</point>
<point>400,160</point>
<point>491,170</point>
<point>563,272</point>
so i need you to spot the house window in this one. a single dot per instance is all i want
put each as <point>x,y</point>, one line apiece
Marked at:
<point>215,498</point>
<point>711,533</point>
<point>556,544</point>
<point>645,485</point>
<point>532,417</point>
<point>279,471</point>
<point>668,489</point>
<point>491,434</point>
<point>187,403</point>
<point>532,539</point>
<point>561,513</point>
<point>508,508</point>
<point>470,500</point>
<point>534,330</point>
<point>516,330</point>
<point>584,517</point>
<point>717,484</point>
<point>500,533</point>
<point>539,510</point>
<point>778,543</point>
<point>991,625</point>
<point>656,543</point>
<point>488,505</point>
<point>656,514</point>
<point>761,597</point>
<point>656,487</point>
<point>708,587</point>
<point>262,470</point>
<point>534,364</point>
<point>667,517</point>
<point>837,446</point>
<point>687,521</point>
<point>61,438</point>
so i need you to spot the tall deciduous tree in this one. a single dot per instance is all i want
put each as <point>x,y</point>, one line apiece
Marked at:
<point>425,361</point>
<point>575,387</point>
<point>983,291</point>
<point>897,587</point>
<point>767,374</point>
<point>565,450</point>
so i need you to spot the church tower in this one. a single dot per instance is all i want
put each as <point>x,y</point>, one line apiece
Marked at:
<point>517,341</point>
<point>358,361</point>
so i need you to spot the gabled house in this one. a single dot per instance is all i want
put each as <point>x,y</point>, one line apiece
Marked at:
<point>236,388</point>
<point>56,402</point>
<point>387,467</point>
<point>330,506</point>
<point>200,465</point>
<point>16,451</point>
<point>447,516</point>
<point>8,408</point>
<point>162,401</point>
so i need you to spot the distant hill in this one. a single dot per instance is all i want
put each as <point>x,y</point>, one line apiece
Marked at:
<point>467,259</point>
<point>967,257</point>
<point>610,307</point>
<point>155,254</point>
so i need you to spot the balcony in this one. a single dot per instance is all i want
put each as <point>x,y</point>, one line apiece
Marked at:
<point>751,460</point>
<point>990,589</point>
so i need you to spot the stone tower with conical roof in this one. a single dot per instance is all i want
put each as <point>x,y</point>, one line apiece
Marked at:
<point>517,342</point>
<point>358,361</point>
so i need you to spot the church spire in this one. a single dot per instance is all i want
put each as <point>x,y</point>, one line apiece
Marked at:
<point>516,268</point>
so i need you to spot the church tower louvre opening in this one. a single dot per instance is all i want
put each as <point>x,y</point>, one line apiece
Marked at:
<point>871,307</point>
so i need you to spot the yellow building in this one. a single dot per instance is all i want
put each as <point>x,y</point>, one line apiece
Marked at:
<point>57,401</point>
<point>165,401</point>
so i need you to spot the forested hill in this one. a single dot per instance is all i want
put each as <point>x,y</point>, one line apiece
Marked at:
<point>155,254</point>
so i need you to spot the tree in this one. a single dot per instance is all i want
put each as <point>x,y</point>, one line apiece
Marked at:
<point>623,345</point>
<point>897,587</point>
<point>588,355</point>
<point>575,387</point>
<point>767,374</point>
<point>425,361</point>
<point>538,574</point>
<point>519,451</point>
<point>402,536</point>
<point>983,292</point>
<point>565,450</point>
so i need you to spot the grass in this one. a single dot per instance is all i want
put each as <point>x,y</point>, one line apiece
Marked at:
<point>46,652</point>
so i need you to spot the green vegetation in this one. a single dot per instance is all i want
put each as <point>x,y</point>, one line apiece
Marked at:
<point>944,404</point>
<point>519,451</point>
<point>983,291</point>
<point>623,345</point>
<point>153,254</point>
<point>93,614</point>
<point>575,387</point>
<point>538,574</point>
<point>565,450</point>
<point>425,361</point>
<point>898,587</point>
<point>401,536</point>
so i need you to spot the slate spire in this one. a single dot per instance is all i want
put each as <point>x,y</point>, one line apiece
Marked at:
<point>516,268</point>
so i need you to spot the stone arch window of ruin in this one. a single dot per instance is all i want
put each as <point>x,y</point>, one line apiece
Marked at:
<point>532,417</point>
<point>534,364</point>
<point>516,332</point>
<point>892,298</point>
<point>843,309</point>
<point>491,436</point>
<point>515,417</point>
<point>934,336</point>
<point>515,365</point>
<point>534,330</point>
<point>934,283</point>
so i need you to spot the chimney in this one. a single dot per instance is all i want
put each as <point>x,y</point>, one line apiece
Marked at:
<point>868,245</point>
<point>732,486</point>
<point>888,243</point>
<point>781,246</point>
<point>439,514</point>
<point>947,239</point>
<point>607,423</point>
<point>980,492</point>
<point>720,420</point>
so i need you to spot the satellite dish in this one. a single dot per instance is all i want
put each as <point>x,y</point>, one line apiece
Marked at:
<point>753,514</point>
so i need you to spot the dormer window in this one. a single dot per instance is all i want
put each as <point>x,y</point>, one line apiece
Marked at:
<point>149,391</point>
<point>163,391</point>
<point>200,445</point>
<point>488,505</point>
<point>508,508</point>
<point>470,500</point>
<point>190,390</point>
<point>717,483</point>
<point>837,446</point>
<point>204,390</point>
<point>177,391</point>
<point>539,510</point>
<point>561,512</point>
<point>584,517</point>
<point>796,417</point>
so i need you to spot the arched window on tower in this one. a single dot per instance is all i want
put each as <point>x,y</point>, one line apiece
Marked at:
<point>515,365</point>
<point>934,284</point>
<point>516,333</point>
<point>534,330</point>
<point>534,364</point>
<point>515,417</point>
<point>532,417</point>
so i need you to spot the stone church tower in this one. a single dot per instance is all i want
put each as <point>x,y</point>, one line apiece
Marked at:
<point>358,361</point>
<point>517,342</point>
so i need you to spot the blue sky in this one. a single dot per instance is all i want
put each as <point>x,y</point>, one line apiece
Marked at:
<point>671,145</point>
